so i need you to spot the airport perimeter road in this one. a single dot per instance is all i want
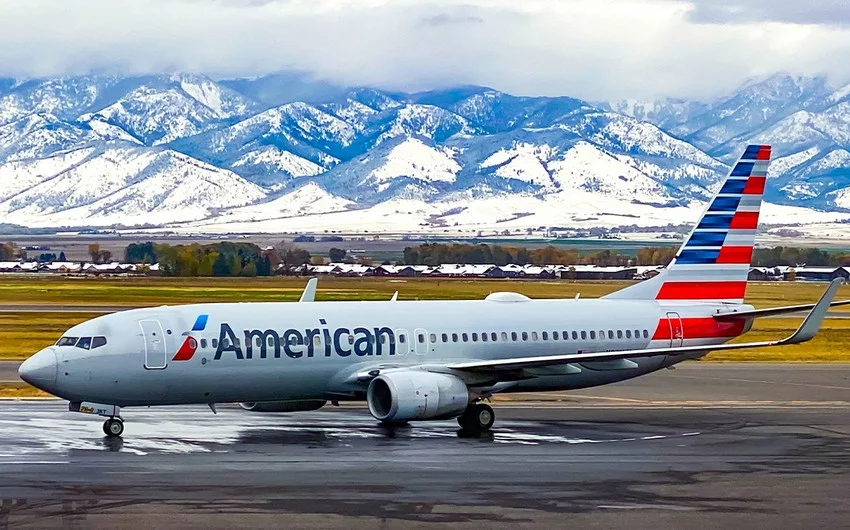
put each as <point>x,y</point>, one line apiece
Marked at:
<point>9,372</point>
<point>681,454</point>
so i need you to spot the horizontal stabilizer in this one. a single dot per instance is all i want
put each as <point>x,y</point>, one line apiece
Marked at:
<point>772,311</point>
<point>805,332</point>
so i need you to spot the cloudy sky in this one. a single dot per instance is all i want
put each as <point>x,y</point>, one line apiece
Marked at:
<point>593,49</point>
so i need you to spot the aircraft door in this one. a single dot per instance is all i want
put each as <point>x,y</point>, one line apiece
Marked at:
<point>420,337</point>
<point>677,331</point>
<point>155,354</point>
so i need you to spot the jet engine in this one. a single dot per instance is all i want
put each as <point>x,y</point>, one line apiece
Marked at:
<point>284,406</point>
<point>416,395</point>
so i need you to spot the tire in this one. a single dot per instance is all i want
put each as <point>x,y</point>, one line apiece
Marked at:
<point>482,416</point>
<point>477,418</point>
<point>113,428</point>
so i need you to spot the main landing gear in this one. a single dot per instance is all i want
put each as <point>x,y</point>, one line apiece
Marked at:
<point>477,418</point>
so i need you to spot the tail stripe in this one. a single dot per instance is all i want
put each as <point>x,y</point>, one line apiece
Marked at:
<point>748,220</point>
<point>724,204</point>
<point>702,290</point>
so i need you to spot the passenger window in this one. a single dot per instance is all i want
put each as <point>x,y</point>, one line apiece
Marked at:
<point>524,335</point>
<point>67,341</point>
<point>401,338</point>
<point>592,334</point>
<point>204,343</point>
<point>504,336</point>
<point>610,334</point>
<point>628,333</point>
<point>619,333</point>
<point>465,337</point>
<point>258,342</point>
<point>645,334</point>
<point>433,338</point>
<point>554,335</point>
<point>533,335</point>
<point>601,334</point>
<point>444,337</point>
<point>238,343</point>
<point>475,337</point>
<point>637,334</point>
<point>513,336</point>
<point>317,340</point>
<point>215,343</point>
<point>351,339</point>
<point>483,337</point>
<point>454,337</point>
<point>583,335</point>
<point>421,338</point>
<point>494,337</point>
<point>97,342</point>
<point>575,335</point>
<point>84,343</point>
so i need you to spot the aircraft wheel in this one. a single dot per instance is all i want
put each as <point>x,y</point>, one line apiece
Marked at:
<point>113,427</point>
<point>477,418</point>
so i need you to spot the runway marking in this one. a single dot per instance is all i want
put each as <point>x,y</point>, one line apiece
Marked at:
<point>811,385</point>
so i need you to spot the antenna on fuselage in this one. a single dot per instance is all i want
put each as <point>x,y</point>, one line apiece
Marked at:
<point>395,297</point>
<point>309,294</point>
<point>577,295</point>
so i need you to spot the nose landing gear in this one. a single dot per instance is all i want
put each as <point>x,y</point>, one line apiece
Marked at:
<point>113,426</point>
<point>477,418</point>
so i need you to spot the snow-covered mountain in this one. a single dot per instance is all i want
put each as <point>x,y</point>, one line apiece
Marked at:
<point>277,152</point>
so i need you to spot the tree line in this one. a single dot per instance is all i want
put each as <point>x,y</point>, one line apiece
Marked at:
<point>217,259</point>
<point>434,254</point>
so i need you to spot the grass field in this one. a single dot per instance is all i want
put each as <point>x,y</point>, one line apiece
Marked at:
<point>21,334</point>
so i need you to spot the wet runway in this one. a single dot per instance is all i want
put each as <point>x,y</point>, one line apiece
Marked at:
<point>668,457</point>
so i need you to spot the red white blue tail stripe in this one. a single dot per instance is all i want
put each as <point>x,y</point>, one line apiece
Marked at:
<point>714,262</point>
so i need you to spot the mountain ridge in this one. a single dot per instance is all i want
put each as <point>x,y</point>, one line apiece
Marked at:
<point>238,144</point>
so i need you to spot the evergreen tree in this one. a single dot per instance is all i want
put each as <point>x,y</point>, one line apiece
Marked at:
<point>220,266</point>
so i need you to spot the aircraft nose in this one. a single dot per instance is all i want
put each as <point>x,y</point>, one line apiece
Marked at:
<point>40,370</point>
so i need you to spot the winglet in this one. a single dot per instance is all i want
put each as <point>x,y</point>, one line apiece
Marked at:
<point>309,294</point>
<point>811,325</point>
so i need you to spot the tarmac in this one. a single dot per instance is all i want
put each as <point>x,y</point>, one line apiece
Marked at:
<point>704,446</point>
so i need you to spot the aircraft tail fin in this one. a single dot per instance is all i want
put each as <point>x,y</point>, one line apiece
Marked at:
<point>714,261</point>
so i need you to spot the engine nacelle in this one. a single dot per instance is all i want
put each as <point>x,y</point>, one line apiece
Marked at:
<point>284,406</point>
<point>416,395</point>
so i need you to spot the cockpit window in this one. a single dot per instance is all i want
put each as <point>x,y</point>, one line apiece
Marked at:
<point>84,343</point>
<point>97,342</point>
<point>67,341</point>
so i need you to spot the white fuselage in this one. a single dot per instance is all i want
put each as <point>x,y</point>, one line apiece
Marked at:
<point>315,350</point>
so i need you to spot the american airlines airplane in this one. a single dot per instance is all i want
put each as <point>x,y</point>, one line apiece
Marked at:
<point>425,360</point>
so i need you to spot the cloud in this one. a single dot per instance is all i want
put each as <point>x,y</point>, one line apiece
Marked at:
<point>595,49</point>
<point>821,12</point>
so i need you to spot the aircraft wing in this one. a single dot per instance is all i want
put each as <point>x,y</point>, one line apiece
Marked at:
<point>805,332</point>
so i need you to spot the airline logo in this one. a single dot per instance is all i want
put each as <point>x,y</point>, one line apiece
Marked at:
<point>721,246</point>
<point>190,343</point>
<point>293,343</point>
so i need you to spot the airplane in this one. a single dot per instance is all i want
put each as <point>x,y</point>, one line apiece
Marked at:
<point>426,360</point>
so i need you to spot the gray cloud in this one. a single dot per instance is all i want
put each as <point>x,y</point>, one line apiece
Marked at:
<point>822,12</point>
<point>586,48</point>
